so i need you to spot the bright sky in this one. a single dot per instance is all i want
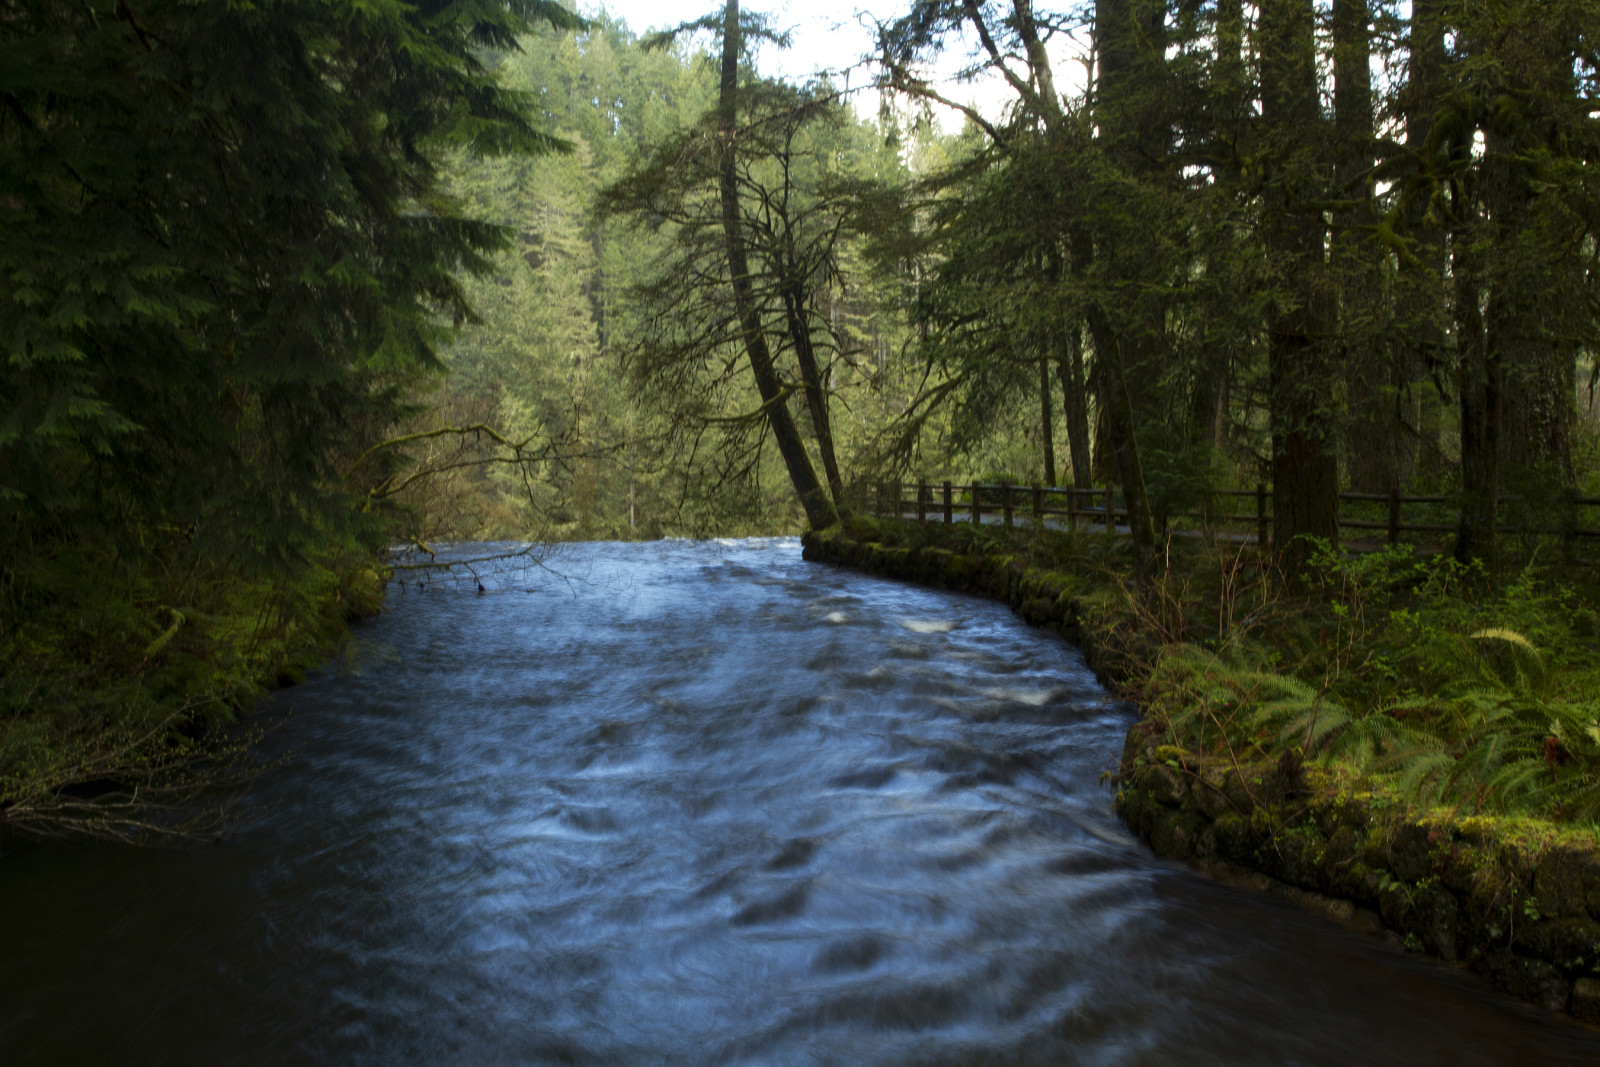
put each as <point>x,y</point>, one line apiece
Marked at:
<point>827,35</point>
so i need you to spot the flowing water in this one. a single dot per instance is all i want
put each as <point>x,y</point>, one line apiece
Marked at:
<point>700,804</point>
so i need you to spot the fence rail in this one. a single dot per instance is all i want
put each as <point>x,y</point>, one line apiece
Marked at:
<point>950,502</point>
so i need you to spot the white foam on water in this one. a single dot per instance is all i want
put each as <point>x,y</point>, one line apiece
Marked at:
<point>928,626</point>
<point>836,617</point>
<point>1032,697</point>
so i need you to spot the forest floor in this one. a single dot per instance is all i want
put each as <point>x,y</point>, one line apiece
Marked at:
<point>1396,739</point>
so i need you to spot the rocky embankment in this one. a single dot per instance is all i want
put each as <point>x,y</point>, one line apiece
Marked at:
<point>1517,902</point>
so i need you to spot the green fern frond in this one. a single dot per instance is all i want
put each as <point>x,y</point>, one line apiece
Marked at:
<point>1500,633</point>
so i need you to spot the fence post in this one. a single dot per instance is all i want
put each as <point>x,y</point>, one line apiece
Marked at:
<point>1261,514</point>
<point>1038,505</point>
<point>922,500</point>
<point>949,503</point>
<point>977,507</point>
<point>1005,502</point>
<point>1394,515</point>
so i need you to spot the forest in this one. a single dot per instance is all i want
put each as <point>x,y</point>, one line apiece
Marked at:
<point>293,284</point>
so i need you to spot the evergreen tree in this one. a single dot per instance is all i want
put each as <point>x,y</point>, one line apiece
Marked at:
<point>225,254</point>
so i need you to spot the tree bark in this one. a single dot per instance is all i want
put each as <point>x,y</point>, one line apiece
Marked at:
<point>1208,403</point>
<point>1111,385</point>
<point>794,304</point>
<point>1373,388</point>
<point>1075,397</point>
<point>1134,129</point>
<point>1530,270</point>
<point>1305,472</point>
<point>820,512</point>
<point>1424,294</point>
<point>1482,398</point>
<point>1047,418</point>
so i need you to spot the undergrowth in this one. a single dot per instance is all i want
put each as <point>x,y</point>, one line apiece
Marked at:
<point>117,690</point>
<point>1433,680</point>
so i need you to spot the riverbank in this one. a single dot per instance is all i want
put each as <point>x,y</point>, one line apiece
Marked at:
<point>120,725</point>
<point>1515,898</point>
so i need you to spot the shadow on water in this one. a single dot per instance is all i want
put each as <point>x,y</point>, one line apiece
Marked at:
<point>708,804</point>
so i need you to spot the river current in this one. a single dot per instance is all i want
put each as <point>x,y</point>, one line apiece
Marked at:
<point>701,803</point>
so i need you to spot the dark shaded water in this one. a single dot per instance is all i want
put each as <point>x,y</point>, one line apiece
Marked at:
<point>702,803</point>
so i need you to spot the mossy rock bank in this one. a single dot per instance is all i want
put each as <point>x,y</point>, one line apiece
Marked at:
<point>1048,599</point>
<point>1514,900</point>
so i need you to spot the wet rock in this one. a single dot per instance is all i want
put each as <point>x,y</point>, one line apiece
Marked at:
<point>1343,851</point>
<point>1129,804</point>
<point>1586,1000</point>
<point>1318,903</point>
<point>1458,866</point>
<point>1434,914</point>
<point>1425,918</point>
<point>1364,885</point>
<point>1409,852</point>
<point>1236,839</point>
<point>1527,979</point>
<point>1571,944</point>
<point>1299,856</point>
<point>1177,835</point>
<point>1206,848</point>
<point>1037,610</point>
<point>1238,791</point>
<point>1566,882</point>
<point>1167,784</point>
<point>1207,795</point>
<point>1134,746</point>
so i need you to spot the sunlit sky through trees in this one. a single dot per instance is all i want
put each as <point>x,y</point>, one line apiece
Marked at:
<point>835,36</point>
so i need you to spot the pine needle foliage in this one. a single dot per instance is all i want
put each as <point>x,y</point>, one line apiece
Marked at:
<point>225,256</point>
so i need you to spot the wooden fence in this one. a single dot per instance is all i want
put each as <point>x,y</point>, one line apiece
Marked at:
<point>1051,505</point>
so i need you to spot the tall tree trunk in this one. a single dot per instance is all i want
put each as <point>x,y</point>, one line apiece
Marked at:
<point>1482,409</point>
<point>1134,128</point>
<point>1305,472</point>
<point>1424,297</point>
<point>1075,397</point>
<point>1047,418</point>
<point>794,305</point>
<point>1530,270</point>
<point>1208,403</point>
<point>1373,389</point>
<point>1111,385</point>
<point>820,512</point>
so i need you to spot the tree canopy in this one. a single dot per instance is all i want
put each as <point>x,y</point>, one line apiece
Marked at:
<point>227,253</point>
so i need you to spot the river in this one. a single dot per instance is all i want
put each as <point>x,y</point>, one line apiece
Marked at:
<point>701,803</point>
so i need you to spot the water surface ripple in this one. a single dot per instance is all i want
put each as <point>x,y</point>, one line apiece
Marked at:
<point>702,803</point>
